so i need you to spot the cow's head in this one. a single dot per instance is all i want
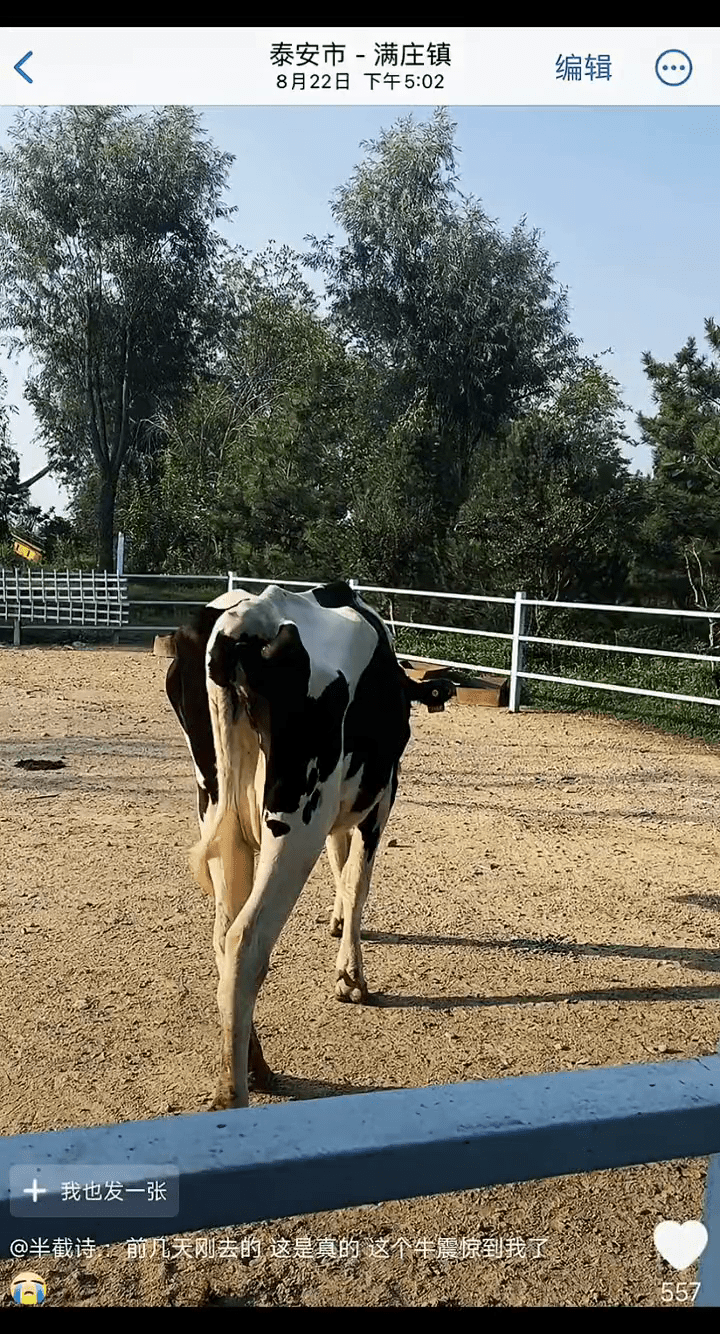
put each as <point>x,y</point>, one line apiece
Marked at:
<point>433,694</point>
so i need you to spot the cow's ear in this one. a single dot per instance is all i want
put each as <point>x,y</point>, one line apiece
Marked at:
<point>286,644</point>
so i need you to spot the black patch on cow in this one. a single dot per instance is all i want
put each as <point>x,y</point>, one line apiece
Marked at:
<point>278,827</point>
<point>311,806</point>
<point>203,801</point>
<point>186,689</point>
<point>377,726</point>
<point>394,784</point>
<point>338,594</point>
<point>223,660</point>
<point>370,830</point>
<point>295,730</point>
<point>314,732</point>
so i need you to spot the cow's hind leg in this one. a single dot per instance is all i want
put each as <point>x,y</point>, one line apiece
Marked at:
<point>229,899</point>
<point>338,851</point>
<point>350,982</point>
<point>283,867</point>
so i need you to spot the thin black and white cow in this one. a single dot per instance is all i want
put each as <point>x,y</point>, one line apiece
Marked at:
<point>296,713</point>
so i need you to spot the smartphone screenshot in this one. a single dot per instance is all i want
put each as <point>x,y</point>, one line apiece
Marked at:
<point>359,667</point>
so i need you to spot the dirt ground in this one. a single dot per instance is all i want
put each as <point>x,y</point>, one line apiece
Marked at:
<point>550,900</point>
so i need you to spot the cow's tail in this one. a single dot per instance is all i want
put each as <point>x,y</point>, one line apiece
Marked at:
<point>221,830</point>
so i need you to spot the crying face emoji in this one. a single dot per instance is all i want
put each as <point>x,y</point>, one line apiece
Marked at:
<point>28,1290</point>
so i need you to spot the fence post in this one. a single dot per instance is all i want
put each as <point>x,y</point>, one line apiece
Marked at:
<point>517,660</point>
<point>16,632</point>
<point>120,553</point>
<point>231,577</point>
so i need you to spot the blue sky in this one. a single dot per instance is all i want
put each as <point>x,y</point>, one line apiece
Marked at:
<point>627,201</point>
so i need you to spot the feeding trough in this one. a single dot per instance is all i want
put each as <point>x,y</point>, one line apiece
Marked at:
<point>484,689</point>
<point>164,646</point>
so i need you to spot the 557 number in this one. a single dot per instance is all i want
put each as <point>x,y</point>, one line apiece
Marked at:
<point>680,1292</point>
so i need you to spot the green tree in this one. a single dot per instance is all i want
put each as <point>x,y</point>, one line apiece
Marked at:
<point>387,531</point>
<point>16,509</point>
<point>252,460</point>
<point>682,532</point>
<point>108,258</point>
<point>465,325</point>
<point>554,510</point>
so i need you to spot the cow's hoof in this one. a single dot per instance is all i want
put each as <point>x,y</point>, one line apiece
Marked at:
<point>262,1081</point>
<point>260,1075</point>
<point>225,1100</point>
<point>352,989</point>
<point>219,1103</point>
<point>336,926</point>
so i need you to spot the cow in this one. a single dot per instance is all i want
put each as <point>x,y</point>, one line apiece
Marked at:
<point>296,713</point>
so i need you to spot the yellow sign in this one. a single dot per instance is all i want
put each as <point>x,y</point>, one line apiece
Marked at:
<point>26,550</point>
<point>28,1289</point>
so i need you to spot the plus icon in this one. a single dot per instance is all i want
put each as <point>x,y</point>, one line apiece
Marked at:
<point>34,1190</point>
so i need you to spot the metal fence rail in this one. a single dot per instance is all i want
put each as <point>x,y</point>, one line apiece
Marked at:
<point>521,639</point>
<point>64,597</point>
<point>102,601</point>
<point>265,1163</point>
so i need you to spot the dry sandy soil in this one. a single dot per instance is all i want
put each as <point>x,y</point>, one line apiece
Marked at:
<point>550,901</point>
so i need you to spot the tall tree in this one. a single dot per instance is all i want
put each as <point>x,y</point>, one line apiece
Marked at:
<point>251,459</point>
<point>16,509</point>
<point>465,324</point>
<point>554,509</point>
<point>682,533</point>
<point>108,258</point>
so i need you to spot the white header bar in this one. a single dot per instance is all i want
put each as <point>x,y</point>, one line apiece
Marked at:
<point>336,66</point>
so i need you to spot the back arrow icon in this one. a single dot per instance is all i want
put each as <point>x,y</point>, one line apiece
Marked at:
<point>20,71</point>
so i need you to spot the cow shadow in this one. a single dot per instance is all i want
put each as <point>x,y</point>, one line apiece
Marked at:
<point>300,1089</point>
<point>218,1300</point>
<point>640,994</point>
<point>559,821</point>
<point>700,960</point>
<point>709,901</point>
<point>705,960</point>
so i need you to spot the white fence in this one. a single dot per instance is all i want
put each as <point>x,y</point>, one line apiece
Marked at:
<point>63,598</point>
<point>519,639</point>
<point>101,600</point>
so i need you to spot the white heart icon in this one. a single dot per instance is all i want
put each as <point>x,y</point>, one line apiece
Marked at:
<point>681,1244</point>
